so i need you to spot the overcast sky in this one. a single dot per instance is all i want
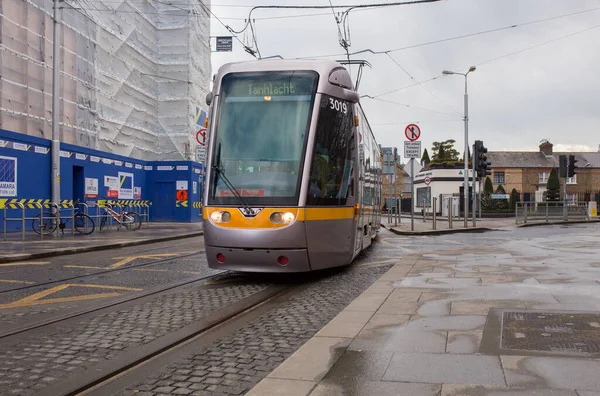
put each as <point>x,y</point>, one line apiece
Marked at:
<point>550,92</point>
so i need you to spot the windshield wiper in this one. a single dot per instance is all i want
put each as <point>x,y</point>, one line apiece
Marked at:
<point>219,173</point>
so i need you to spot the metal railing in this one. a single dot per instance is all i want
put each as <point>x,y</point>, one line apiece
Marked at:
<point>141,209</point>
<point>550,211</point>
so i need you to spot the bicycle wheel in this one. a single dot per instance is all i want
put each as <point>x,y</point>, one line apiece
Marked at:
<point>84,224</point>
<point>132,221</point>
<point>102,223</point>
<point>47,226</point>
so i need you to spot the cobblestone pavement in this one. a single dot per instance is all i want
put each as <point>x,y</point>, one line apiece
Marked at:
<point>29,362</point>
<point>234,364</point>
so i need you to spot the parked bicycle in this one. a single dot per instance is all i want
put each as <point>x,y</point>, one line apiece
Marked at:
<point>130,220</point>
<point>84,224</point>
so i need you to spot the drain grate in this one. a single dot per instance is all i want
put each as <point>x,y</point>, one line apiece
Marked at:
<point>550,332</point>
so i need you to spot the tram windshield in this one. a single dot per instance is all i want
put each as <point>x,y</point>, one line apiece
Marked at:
<point>261,132</point>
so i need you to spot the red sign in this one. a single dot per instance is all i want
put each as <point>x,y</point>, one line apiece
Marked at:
<point>427,180</point>
<point>201,137</point>
<point>243,193</point>
<point>182,195</point>
<point>112,194</point>
<point>412,132</point>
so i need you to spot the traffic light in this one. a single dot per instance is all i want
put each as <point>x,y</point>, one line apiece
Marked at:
<point>572,166</point>
<point>562,165</point>
<point>482,165</point>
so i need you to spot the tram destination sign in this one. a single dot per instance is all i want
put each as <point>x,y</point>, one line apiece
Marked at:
<point>412,149</point>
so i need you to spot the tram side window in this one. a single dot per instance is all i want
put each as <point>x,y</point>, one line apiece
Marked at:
<point>332,166</point>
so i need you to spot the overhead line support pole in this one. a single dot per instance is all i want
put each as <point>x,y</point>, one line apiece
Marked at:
<point>55,148</point>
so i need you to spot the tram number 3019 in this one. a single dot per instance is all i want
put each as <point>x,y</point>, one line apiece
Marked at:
<point>338,105</point>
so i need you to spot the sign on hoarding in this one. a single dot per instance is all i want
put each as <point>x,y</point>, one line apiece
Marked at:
<point>224,44</point>
<point>91,188</point>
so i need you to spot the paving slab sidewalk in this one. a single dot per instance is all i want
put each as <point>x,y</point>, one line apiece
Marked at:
<point>430,326</point>
<point>14,249</point>
<point>421,227</point>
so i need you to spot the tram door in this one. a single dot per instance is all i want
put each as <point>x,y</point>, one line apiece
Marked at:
<point>360,196</point>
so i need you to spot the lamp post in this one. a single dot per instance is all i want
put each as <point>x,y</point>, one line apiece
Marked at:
<point>466,170</point>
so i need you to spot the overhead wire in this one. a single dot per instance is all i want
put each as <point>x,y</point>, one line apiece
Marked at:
<point>459,36</point>
<point>498,58</point>
<point>421,85</point>
<point>250,21</point>
<point>405,105</point>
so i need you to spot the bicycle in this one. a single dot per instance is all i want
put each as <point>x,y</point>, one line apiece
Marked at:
<point>84,224</point>
<point>131,220</point>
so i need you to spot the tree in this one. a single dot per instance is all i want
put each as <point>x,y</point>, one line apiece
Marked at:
<point>553,187</point>
<point>488,187</point>
<point>425,158</point>
<point>444,151</point>
<point>487,203</point>
<point>502,203</point>
<point>515,197</point>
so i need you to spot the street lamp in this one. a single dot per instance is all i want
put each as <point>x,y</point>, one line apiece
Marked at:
<point>466,182</point>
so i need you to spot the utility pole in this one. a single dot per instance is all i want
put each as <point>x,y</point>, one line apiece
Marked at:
<point>473,183</point>
<point>55,150</point>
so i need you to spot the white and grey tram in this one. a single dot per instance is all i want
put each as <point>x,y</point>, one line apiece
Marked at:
<point>293,171</point>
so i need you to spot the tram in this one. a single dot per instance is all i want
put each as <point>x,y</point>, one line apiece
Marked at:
<point>294,174</point>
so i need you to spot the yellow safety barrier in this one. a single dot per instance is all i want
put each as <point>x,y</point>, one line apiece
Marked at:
<point>125,202</point>
<point>14,203</point>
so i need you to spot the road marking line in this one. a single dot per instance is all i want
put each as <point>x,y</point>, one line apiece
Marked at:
<point>36,299</point>
<point>16,281</point>
<point>127,260</point>
<point>162,270</point>
<point>82,266</point>
<point>25,263</point>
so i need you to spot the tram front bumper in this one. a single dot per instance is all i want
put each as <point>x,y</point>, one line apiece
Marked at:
<point>258,260</point>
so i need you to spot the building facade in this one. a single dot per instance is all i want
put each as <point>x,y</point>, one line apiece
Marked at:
<point>393,186</point>
<point>528,172</point>
<point>133,78</point>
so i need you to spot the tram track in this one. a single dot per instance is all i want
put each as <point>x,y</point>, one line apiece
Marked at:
<point>114,303</point>
<point>170,347</point>
<point>107,271</point>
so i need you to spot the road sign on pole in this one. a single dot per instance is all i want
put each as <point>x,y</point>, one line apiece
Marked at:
<point>201,137</point>
<point>412,132</point>
<point>412,149</point>
<point>427,180</point>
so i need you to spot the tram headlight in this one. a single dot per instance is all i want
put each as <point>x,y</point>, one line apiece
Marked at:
<point>282,217</point>
<point>220,216</point>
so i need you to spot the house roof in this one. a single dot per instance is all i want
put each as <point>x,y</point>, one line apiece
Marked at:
<point>536,159</point>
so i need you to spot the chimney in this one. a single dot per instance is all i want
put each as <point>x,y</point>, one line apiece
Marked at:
<point>546,148</point>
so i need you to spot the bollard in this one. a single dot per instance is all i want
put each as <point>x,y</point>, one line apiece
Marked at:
<point>434,212</point>
<point>41,220</point>
<point>546,212</point>
<point>450,213</point>
<point>22,221</point>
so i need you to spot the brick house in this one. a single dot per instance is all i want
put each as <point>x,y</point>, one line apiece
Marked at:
<point>528,172</point>
<point>397,190</point>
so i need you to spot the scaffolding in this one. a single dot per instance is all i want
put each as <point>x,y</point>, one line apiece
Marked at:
<point>132,73</point>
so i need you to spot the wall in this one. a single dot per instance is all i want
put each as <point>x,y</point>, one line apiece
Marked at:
<point>445,182</point>
<point>527,181</point>
<point>33,160</point>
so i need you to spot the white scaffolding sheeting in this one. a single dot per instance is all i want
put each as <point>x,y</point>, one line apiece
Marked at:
<point>132,73</point>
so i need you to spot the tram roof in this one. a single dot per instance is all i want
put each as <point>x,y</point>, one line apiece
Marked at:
<point>322,66</point>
